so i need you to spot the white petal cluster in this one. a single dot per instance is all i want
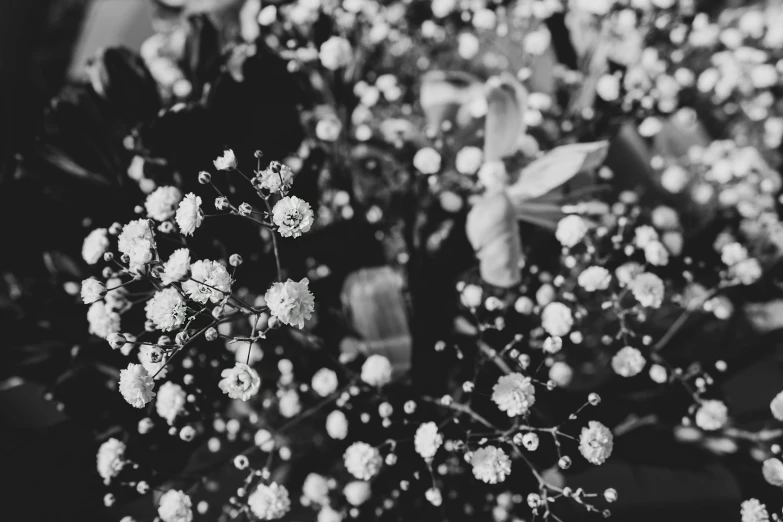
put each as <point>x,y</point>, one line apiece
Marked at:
<point>227,161</point>
<point>648,289</point>
<point>209,281</point>
<point>137,242</point>
<point>240,382</point>
<point>596,442</point>
<point>269,502</point>
<point>427,160</point>
<point>276,178</point>
<point>427,440</point>
<point>594,278</point>
<point>189,215</point>
<point>291,302</point>
<point>628,361</point>
<point>153,359</point>
<point>175,506</point>
<point>514,393</point>
<point>136,385</point>
<point>176,267</point>
<point>166,309</point>
<point>377,370</point>
<point>362,460</point>
<point>469,160</point>
<point>293,216</point>
<point>490,464</point>
<point>92,290</point>
<point>110,459</point>
<point>289,404</point>
<point>95,245</point>
<point>357,492</point>
<point>324,382</point>
<point>335,52</point>
<point>102,320</point>
<point>556,319</point>
<point>571,230</point>
<point>772,469</point>
<point>316,489</point>
<point>754,511</point>
<point>170,401</point>
<point>162,204</point>
<point>712,415</point>
<point>776,406</point>
<point>337,425</point>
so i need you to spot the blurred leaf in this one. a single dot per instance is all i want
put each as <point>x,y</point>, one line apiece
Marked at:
<point>493,231</point>
<point>506,103</point>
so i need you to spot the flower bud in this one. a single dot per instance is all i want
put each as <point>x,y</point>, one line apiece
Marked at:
<point>241,462</point>
<point>142,487</point>
<point>181,338</point>
<point>107,272</point>
<point>391,459</point>
<point>564,462</point>
<point>187,433</point>
<point>245,209</point>
<point>108,257</point>
<point>211,334</point>
<point>204,177</point>
<point>145,425</point>
<point>274,322</point>
<point>235,260</point>
<point>116,340</point>
<point>533,500</point>
<point>258,154</point>
<point>115,229</point>
<point>610,495</point>
<point>594,399</point>
<point>221,203</point>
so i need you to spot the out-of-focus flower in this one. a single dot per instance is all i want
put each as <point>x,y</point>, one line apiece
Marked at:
<point>95,245</point>
<point>427,440</point>
<point>357,492</point>
<point>337,425</point>
<point>324,382</point>
<point>648,289</point>
<point>772,469</point>
<point>469,160</point>
<point>377,370</point>
<point>176,267</point>
<point>335,53</point>
<point>754,511</point>
<point>594,278</point>
<point>289,404</point>
<point>92,290</point>
<point>102,320</point>
<point>269,502</point>
<point>427,160</point>
<point>628,362</point>
<point>174,506</point>
<point>162,204</point>
<point>776,406</point>
<point>556,319</point>
<point>110,459</point>
<point>171,401</point>
<point>570,230</point>
<point>316,489</point>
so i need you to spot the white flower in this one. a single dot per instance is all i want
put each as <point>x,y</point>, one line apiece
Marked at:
<point>644,235</point>
<point>747,272</point>
<point>493,176</point>
<point>176,267</point>
<point>648,289</point>
<point>103,320</point>
<point>357,492</point>
<point>276,178</point>
<point>362,460</point>
<point>209,280</point>
<point>443,8</point>
<point>562,373</point>
<point>656,254</point>
<point>754,511</point>
<point>665,218</point>
<point>335,53</point>
<point>92,289</point>
<point>712,415</point>
<point>596,7</point>
<point>264,440</point>
<point>189,215</point>
<point>596,442</point>
<point>484,19</point>
<point>427,160</point>
<point>293,216</point>
<point>468,45</point>
<point>327,514</point>
<point>377,370</point>
<point>469,160</point>
<point>136,385</point>
<point>471,296</point>
<point>269,502</point>
<point>174,506</point>
<point>772,469</point>
<point>324,382</point>
<point>556,319</point>
<point>228,161</point>
<point>658,374</point>
<point>162,204</point>
<point>95,245</point>
<point>316,489</point>
<point>171,401</point>
<point>490,464</point>
<point>289,404</point>
<point>240,382</point>
<point>732,253</point>
<point>627,272</point>
<point>110,459</point>
<point>136,241</point>
<point>337,425</point>
<point>537,42</point>
<point>608,87</point>
<point>628,362</point>
<point>141,253</point>
<point>427,440</point>
<point>153,359</point>
<point>595,278</point>
<point>166,309</point>
<point>514,394</point>
<point>291,302</point>
<point>328,128</point>
<point>776,406</point>
<point>571,230</point>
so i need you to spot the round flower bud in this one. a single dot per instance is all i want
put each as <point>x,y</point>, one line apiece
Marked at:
<point>434,496</point>
<point>204,177</point>
<point>530,441</point>
<point>564,462</point>
<point>145,425</point>
<point>533,500</point>
<point>241,462</point>
<point>245,209</point>
<point>116,340</point>
<point>594,399</point>
<point>471,296</point>
<point>221,203</point>
<point>211,334</point>
<point>187,433</point>
<point>181,338</point>
<point>523,305</point>
<point>235,260</point>
<point>610,495</point>
<point>108,257</point>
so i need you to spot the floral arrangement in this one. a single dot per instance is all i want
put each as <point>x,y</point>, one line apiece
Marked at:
<point>528,277</point>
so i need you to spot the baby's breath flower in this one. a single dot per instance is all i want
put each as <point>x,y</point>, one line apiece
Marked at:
<point>240,382</point>
<point>656,254</point>
<point>648,289</point>
<point>571,230</point>
<point>289,404</point>
<point>594,278</point>
<point>357,492</point>
<point>316,489</point>
<point>335,53</point>
<point>491,464</point>
<point>293,216</point>
<point>596,442</point>
<point>628,362</point>
<point>337,425</point>
<point>171,401</point>
<point>189,215</point>
<point>291,302</point>
<point>136,385</point>
<point>162,204</point>
<point>95,245</point>
<point>514,394</point>
<point>362,460</point>
<point>209,281</point>
<point>469,160</point>
<point>427,440</point>
<point>377,370</point>
<point>773,471</point>
<point>276,178</point>
<point>556,319</point>
<point>227,161</point>
<point>110,459</point>
<point>754,511</point>
<point>166,309</point>
<point>92,290</point>
<point>747,272</point>
<point>712,415</point>
<point>627,272</point>
<point>154,360</point>
<point>776,406</point>
<point>102,320</point>
<point>269,502</point>
<point>732,253</point>
<point>174,506</point>
<point>427,160</point>
<point>176,267</point>
<point>644,235</point>
<point>324,382</point>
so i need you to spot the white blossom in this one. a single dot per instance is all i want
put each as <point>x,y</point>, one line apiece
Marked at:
<point>209,280</point>
<point>594,278</point>
<point>493,175</point>
<point>357,492</point>
<point>162,204</point>
<point>276,178</point>
<point>291,302</point>
<point>92,290</point>
<point>571,230</point>
<point>362,460</point>
<point>95,245</point>
<point>228,161</point>
<point>377,370</point>
<point>596,442</point>
<point>644,235</point>
<point>269,502</point>
<point>153,359</point>
<point>289,404</point>
<point>754,511</point>
<point>469,160</point>
<point>747,272</point>
<point>324,382</point>
<point>176,267</point>
<point>337,425</point>
<point>166,309</point>
<point>189,215</point>
<point>776,406</point>
<point>627,272</point>
<point>556,319</point>
<point>174,506</point>
<point>514,393</point>
<point>427,440</point>
<point>712,415</point>
<point>327,514</point>
<point>608,87</point>
<point>628,361</point>
<point>293,216</point>
<point>427,160</point>
<point>102,320</point>
<point>648,289</point>
<point>171,401</point>
<point>240,382</point>
<point>656,254</point>
<point>110,459</point>
<point>772,469</point>
<point>335,53</point>
<point>136,241</point>
<point>136,385</point>
<point>490,464</point>
<point>316,489</point>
